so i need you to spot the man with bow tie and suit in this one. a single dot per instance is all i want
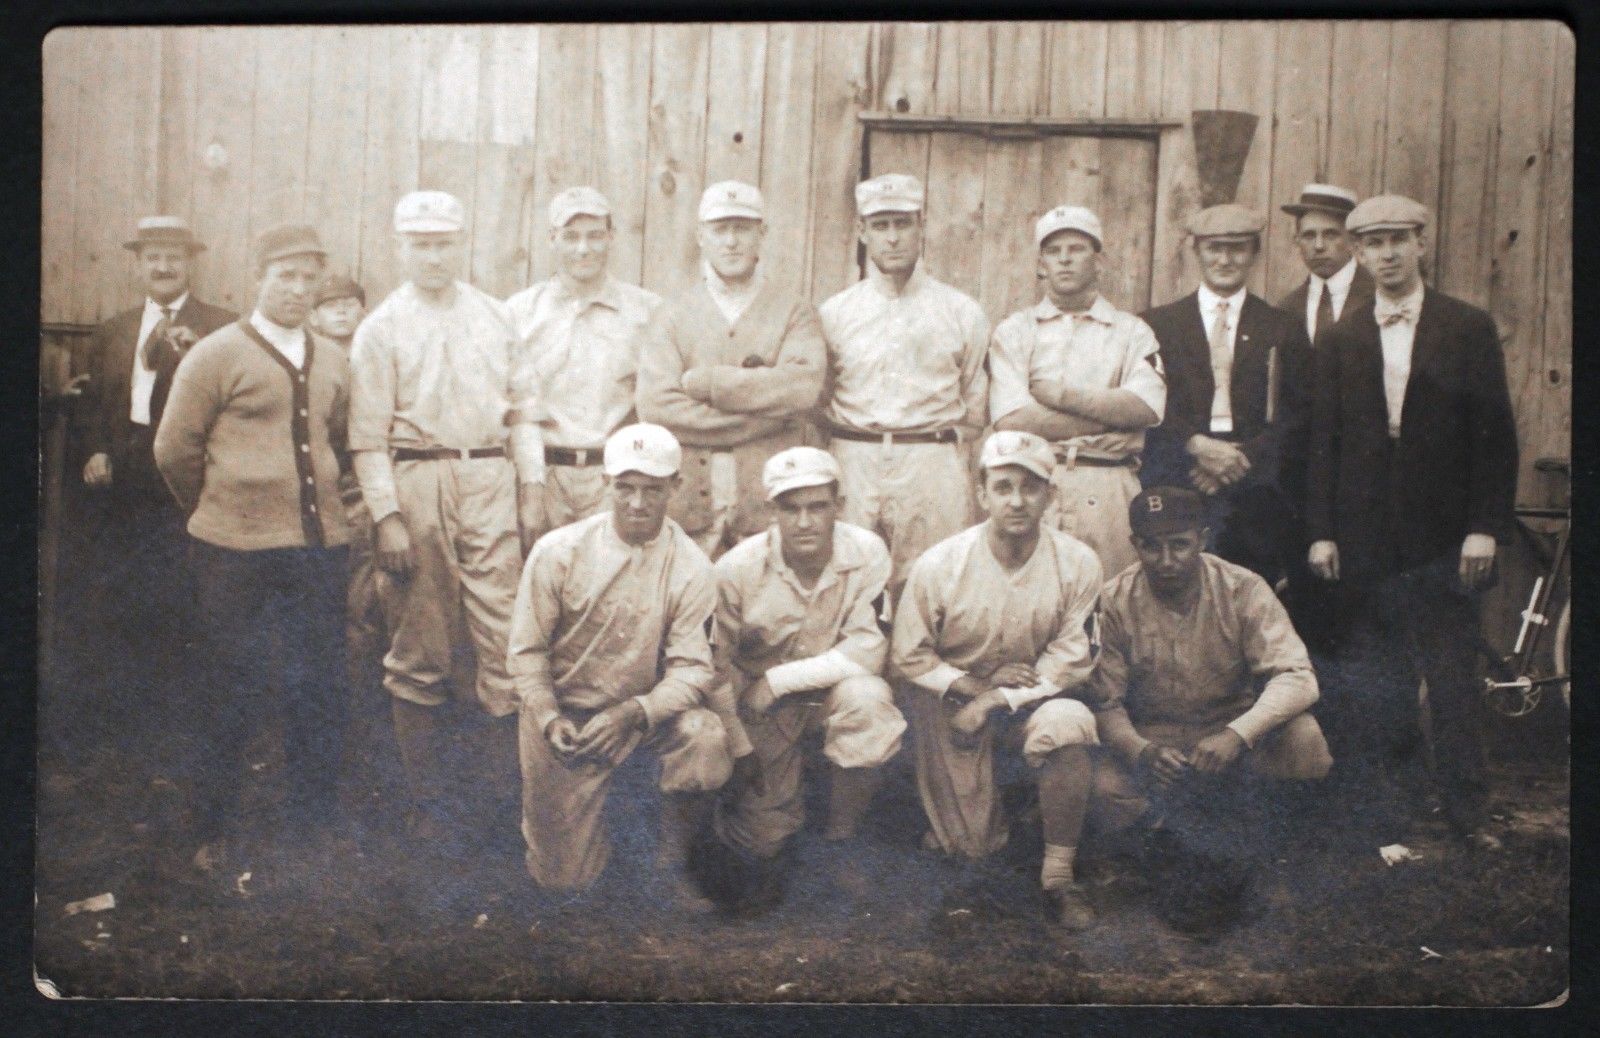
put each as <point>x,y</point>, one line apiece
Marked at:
<point>1236,414</point>
<point>132,359</point>
<point>1410,485</point>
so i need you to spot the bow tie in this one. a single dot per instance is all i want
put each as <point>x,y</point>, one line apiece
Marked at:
<point>1394,314</point>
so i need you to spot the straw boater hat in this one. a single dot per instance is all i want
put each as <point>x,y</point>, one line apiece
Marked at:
<point>164,230</point>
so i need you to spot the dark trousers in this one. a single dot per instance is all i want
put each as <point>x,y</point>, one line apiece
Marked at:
<point>273,627</point>
<point>1416,623</point>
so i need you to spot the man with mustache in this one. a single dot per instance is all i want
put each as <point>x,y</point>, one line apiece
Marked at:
<point>582,329</point>
<point>1238,374</point>
<point>252,445</point>
<point>995,627</point>
<point>733,367</point>
<point>610,652</point>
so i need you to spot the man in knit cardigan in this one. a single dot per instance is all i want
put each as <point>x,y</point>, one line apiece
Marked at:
<point>252,444</point>
<point>732,368</point>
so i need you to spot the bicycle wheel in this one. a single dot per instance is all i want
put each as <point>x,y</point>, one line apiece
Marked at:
<point>1559,650</point>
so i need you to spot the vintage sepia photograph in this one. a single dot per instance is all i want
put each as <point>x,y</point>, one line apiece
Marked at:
<point>1027,512</point>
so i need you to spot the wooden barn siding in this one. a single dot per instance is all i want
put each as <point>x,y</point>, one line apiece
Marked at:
<point>333,123</point>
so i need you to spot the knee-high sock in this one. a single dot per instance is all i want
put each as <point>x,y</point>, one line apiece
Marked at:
<point>1064,781</point>
<point>683,815</point>
<point>849,799</point>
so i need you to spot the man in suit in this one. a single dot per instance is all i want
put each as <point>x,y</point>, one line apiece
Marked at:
<point>143,614</point>
<point>1236,398</point>
<point>1335,281</point>
<point>1411,482</point>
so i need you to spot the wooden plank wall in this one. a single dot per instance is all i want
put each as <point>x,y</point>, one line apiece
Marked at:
<point>239,127</point>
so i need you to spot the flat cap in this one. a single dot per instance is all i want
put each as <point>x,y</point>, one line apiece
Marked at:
<point>1014,447</point>
<point>164,230</point>
<point>796,469</point>
<point>577,201</point>
<point>1229,220</point>
<point>1068,218</point>
<point>287,239</point>
<point>429,212</point>
<point>642,447</point>
<point>340,286</point>
<point>1166,509</point>
<point>730,199</point>
<point>890,193</point>
<point>1387,213</point>
<point>1325,198</point>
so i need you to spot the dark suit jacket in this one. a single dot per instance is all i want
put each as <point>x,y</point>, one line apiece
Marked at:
<point>106,426</point>
<point>1360,292</point>
<point>1457,453</point>
<point>1276,450</point>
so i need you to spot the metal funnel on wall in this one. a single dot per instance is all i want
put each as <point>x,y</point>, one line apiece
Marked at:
<point>1221,144</point>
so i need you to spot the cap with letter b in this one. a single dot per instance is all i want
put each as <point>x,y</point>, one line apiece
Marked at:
<point>1166,509</point>
<point>1015,447</point>
<point>643,447</point>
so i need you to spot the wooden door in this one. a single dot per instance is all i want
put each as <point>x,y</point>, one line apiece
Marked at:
<point>986,191</point>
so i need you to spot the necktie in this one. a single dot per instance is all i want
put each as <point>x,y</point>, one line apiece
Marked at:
<point>1221,372</point>
<point>152,344</point>
<point>1324,312</point>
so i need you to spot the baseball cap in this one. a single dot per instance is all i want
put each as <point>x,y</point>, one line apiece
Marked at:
<point>1068,218</point>
<point>164,230</point>
<point>340,286</point>
<point>1166,509</point>
<point>889,193</point>
<point>1014,447</point>
<point>1227,221</point>
<point>1327,198</point>
<point>796,469</point>
<point>577,201</point>
<point>730,198</point>
<point>429,212</point>
<point>287,239</point>
<point>642,447</point>
<point>1387,213</point>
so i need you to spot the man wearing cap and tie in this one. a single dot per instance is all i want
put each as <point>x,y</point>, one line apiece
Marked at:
<point>1237,383</point>
<point>252,444</point>
<point>583,330</point>
<point>1411,482</point>
<point>995,625</point>
<point>446,445</point>
<point>907,381</point>
<point>1084,375</point>
<point>801,615</point>
<point>609,650</point>
<point>733,367</point>
<point>1203,689</point>
<point>142,549</point>
<point>1334,279</point>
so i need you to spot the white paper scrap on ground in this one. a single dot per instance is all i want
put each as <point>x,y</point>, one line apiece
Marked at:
<point>98,903</point>
<point>1398,854</point>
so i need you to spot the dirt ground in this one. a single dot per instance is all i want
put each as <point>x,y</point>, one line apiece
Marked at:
<point>369,917</point>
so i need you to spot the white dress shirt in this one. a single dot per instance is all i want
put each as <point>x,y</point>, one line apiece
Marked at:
<point>1221,365</point>
<point>1398,337</point>
<point>291,342</point>
<point>1338,287</point>
<point>143,382</point>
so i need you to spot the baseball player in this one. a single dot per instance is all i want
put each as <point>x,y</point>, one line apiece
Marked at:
<point>798,636</point>
<point>609,648</point>
<point>995,624</point>
<point>446,447</point>
<point>905,357</point>
<point>1084,375</point>
<point>733,367</point>
<point>582,329</point>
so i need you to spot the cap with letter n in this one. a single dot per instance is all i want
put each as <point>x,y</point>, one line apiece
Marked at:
<point>1322,198</point>
<point>429,212</point>
<point>1387,213</point>
<point>1166,509</point>
<point>643,447</point>
<point>1068,218</point>
<point>890,193</point>
<point>577,201</point>
<point>1227,222</point>
<point>1015,447</point>
<point>730,199</point>
<point>796,469</point>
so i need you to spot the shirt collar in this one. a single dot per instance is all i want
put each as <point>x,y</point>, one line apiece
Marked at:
<point>610,295</point>
<point>846,556</point>
<point>717,286</point>
<point>1100,310</point>
<point>1209,301</point>
<point>881,282</point>
<point>1413,302</point>
<point>1342,278</point>
<point>153,307</point>
<point>615,538</point>
<point>275,333</point>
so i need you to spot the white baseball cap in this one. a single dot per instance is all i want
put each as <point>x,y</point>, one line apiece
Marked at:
<point>796,469</point>
<point>1068,218</point>
<point>429,212</point>
<point>643,447</point>
<point>1015,447</point>
<point>577,201</point>
<point>730,198</point>
<point>890,193</point>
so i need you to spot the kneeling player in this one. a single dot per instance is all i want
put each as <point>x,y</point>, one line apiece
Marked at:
<point>995,623</point>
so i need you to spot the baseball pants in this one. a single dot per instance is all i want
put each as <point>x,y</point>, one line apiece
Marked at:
<point>572,492</point>
<point>914,495</point>
<point>1091,504</point>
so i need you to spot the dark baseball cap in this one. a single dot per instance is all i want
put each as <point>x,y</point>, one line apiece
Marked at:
<point>1166,509</point>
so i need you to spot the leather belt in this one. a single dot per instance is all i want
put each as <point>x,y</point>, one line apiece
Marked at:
<point>443,453</point>
<point>576,458</point>
<point>887,438</point>
<point>1070,457</point>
